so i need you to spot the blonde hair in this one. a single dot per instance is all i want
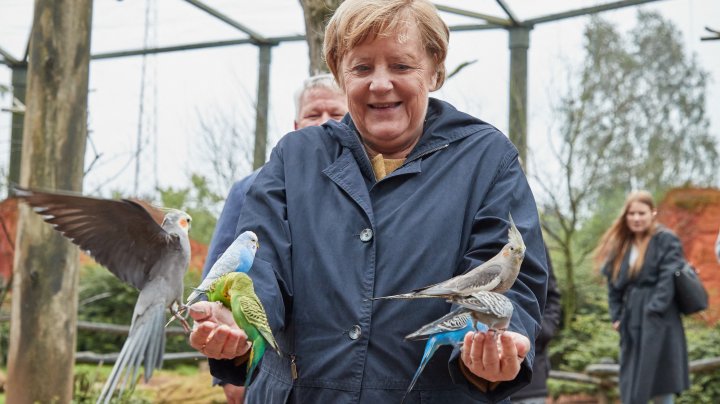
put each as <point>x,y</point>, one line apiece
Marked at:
<point>357,20</point>
<point>616,241</point>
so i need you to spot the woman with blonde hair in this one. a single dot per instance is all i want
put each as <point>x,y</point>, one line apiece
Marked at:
<point>405,191</point>
<point>639,257</point>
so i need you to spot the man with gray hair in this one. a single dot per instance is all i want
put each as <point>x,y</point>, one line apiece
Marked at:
<point>317,101</point>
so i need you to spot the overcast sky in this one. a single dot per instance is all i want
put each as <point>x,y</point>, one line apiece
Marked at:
<point>182,86</point>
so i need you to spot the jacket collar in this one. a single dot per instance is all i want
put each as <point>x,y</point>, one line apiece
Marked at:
<point>443,125</point>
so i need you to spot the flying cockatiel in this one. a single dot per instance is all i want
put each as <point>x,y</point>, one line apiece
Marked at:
<point>494,310</point>
<point>144,246</point>
<point>495,275</point>
<point>447,330</point>
<point>236,292</point>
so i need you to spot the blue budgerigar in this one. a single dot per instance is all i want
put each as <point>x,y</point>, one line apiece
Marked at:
<point>447,330</point>
<point>238,257</point>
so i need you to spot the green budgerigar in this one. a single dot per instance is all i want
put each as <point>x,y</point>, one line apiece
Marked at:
<point>236,292</point>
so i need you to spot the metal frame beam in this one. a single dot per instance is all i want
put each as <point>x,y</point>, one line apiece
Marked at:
<point>224,18</point>
<point>491,19</point>
<point>8,59</point>
<point>587,10</point>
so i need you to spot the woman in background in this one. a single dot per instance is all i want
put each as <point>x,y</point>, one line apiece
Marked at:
<point>639,257</point>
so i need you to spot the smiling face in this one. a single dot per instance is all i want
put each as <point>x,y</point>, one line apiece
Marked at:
<point>387,80</point>
<point>639,217</point>
<point>318,105</point>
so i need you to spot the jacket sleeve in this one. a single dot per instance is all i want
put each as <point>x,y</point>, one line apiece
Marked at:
<point>265,213</point>
<point>615,294</point>
<point>671,260</point>
<point>224,233</point>
<point>510,193</point>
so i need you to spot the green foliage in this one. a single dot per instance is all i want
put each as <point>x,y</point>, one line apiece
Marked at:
<point>198,201</point>
<point>103,298</point>
<point>590,339</point>
<point>703,342</point>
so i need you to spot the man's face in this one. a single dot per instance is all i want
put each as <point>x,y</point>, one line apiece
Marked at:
<point>318,105</point>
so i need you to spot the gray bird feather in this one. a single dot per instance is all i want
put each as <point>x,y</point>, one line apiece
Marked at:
<point>453,321</point>
<point>490,308</point>
<point>126,237</point>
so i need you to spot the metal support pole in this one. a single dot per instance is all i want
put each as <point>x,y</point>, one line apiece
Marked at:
<point>261,112</point>
<point>517,128</point>
<point>19,82</point>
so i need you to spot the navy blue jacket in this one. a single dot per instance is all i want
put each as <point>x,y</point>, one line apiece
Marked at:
<point>331,237</point>
<point>225,230</point>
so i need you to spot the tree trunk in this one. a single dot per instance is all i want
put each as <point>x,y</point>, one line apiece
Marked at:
<point>317,13</point>
<point>44,302</point>
<point>569,295</point>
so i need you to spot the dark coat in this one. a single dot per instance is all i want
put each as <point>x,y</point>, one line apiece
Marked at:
<point>225,229</point>
<point>653,351</point>
<point>331,237</point>
<point>549,327</point>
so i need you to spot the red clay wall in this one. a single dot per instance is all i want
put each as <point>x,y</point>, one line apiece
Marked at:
<point>694,215</point>
<point>8,221</point>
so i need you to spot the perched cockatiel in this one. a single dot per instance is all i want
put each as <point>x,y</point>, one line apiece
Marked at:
<point>144,246</point>
<point>495,275</point>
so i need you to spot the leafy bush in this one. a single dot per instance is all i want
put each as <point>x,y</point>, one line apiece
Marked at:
<point>590,339</point>
<point>703,343</point>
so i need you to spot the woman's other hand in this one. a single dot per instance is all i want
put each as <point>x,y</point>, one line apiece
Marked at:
<point>495,359</point>
<point>215,333</point>
<point>616,325</point>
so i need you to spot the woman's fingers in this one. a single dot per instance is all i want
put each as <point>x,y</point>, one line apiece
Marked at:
<point>215,333</point>
<point>494,357</point>
<point>509,364</point>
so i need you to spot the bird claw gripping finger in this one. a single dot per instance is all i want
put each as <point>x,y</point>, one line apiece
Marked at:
<point>178,314</point>
<point>184,323</point>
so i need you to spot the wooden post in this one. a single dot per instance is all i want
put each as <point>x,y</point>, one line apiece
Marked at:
<point>44,301</point>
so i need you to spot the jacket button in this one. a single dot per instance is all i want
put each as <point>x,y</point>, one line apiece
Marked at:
<point>366,235</point>
<point>354,332</point>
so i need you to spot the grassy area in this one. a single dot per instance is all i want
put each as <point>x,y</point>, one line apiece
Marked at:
<point>183,384</point>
